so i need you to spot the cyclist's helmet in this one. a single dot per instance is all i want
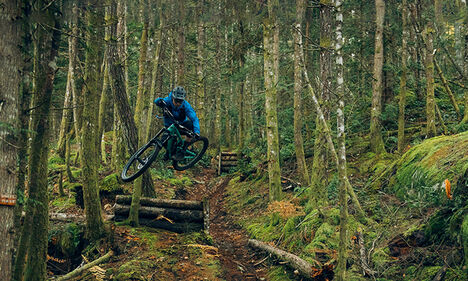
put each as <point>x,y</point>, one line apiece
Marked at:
<point>179,93</point>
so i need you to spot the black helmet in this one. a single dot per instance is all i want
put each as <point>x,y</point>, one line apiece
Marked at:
<point>179,93</point>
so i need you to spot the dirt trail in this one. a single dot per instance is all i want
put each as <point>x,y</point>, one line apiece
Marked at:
<point>238,260</point>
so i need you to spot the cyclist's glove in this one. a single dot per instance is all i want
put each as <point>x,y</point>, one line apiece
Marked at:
<point>161,103</point>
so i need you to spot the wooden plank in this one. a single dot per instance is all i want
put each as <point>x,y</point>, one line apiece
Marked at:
<point>228,153</point>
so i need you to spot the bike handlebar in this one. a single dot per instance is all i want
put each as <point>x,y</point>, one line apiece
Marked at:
<point>167,112</point>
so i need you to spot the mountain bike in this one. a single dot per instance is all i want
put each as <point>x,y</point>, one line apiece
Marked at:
<point>171,139</point>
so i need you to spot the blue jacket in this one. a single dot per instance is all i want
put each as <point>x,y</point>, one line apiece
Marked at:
<point>181,113</point>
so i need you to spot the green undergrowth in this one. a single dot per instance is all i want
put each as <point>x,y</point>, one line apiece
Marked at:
<point>419,176</point>
<point>293,224</point>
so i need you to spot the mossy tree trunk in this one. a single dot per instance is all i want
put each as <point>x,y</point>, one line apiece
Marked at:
<point>103,105</point>
<point>66,114</point>
<point>403,78</point>
<point>200,65</point>
<point>218,105</point>
<point>181,13</point>
<point>331,146</point>
<point>32,251</point>
<point>465,64</point>
<point>343,201</point>
<point>376,141</point>
<point>298,117</point>
<point>429,68</point>
<point>320,162</point>
<point>141,110</point>
<point>10,62</point>
<point>117,82</point>
<point>72,56</point>
<point>270,58</point>
<point>89,152</point>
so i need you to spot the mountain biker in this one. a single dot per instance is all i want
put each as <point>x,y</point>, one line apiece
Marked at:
<point>182,111</point>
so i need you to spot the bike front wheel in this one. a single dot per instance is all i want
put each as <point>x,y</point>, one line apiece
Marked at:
<point>140,161</point>
<point>194,152</point>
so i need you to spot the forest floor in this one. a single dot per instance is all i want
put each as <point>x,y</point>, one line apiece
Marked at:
<point>154,254</point>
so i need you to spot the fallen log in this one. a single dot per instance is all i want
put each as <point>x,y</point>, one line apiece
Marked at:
<point>166,203</point>
<point>302,266</point>
<point>80,270</point>
<point>179,227</point>
<point>154,212</point>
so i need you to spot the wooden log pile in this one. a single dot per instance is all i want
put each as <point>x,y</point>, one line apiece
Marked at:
<point>174,215</point>
<point>226,160</point>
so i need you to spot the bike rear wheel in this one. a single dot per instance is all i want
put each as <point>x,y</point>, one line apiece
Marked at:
<point>140,161</point>
<point>194,152</point>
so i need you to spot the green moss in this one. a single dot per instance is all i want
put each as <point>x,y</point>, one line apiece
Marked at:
<point>428,273</point>
<point>55,161</point>
<point>464,231</point>
<point>136,269</point>
<point>111,185</point>
<point>324,238</point>
<point>380,257</point>
<point>279,273</point>
<point>181,182</point>
<point>333,216</point>
<point>421,171</point>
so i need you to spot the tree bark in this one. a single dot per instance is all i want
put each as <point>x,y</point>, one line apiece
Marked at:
<point>31,256</point>
<point>200,64</point>
<point>429,67</point>
<point>270,29</point>
<point>66,113</point>
<point>298,139</point>
<point>89,153</point>
<point>320,161</point>
<point>403,78</point>
<point>376,141</point>
<point>180,79</point>
<point>342,174</point>
<point>10,62</point>
<point>76,95</point>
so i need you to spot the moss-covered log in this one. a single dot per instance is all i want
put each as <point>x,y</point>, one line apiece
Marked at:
<point>165,203</point>
<point>169,213</point>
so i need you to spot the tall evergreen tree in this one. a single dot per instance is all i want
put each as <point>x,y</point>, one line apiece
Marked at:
<point>376,141</point>
<point>32,251</point>
<point>9,92</point>
<point>270,57</point>
<point>90,159</point>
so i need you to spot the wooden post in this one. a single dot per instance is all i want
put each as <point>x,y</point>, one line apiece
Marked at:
<point>206,215</point>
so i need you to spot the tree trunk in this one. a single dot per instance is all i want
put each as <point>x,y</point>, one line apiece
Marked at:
<point>343,201</point>
<point>10,62</point>
<point>298,140</point>
<point>76,95</point>
<point>403,78</point>
<point>331,146</point>
<point>447,88</point>
<point>270,27</point>
<point>465,65</point>
<point>66,113</point>
<point>376,141</point>
<point>180,79</point>
<point>31,257</point>
<point>200,65</point>
<point>103,105</point>
<point>429,67</point>
<point>89,154</point>
<point>320,161</point>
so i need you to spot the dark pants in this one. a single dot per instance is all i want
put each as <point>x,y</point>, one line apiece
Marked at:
<point>187,124</point>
